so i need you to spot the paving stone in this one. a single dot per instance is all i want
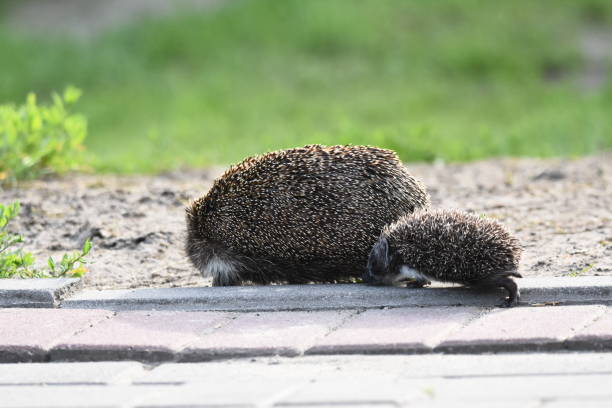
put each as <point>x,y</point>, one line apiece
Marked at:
<point>336,381</point>
<point>569,290</point>
<point>226,394</point>
<point>496,391</point>
<point>265,333</point>
<point>147,336</point>
<point>512,364</point>
<point>534,328</point>
<point>35,292</point>
<point>457,403</point>
<point>27,335</point>
<point>91,396</point>
<point>454,365</point>
<point>518,388</point>
<point>577,403</point>
<point>365,404</point>
<point>382,367</point>
<point>241,370</point>
<point>394,330</point>
<point>365,390</point>
<point>69,373</point>
<point>596,336</point>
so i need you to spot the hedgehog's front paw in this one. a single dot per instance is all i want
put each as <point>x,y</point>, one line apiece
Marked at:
<point>509,302</point>
<point>417,283</point>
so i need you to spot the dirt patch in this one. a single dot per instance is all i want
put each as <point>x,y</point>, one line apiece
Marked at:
<point>560,210</point>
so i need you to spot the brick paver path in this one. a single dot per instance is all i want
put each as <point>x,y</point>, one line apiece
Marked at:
<point>93,335</point>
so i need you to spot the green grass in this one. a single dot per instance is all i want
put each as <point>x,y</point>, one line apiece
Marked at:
<point>449,79</point>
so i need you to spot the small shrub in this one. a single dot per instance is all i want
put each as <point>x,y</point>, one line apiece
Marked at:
<point>36,140</point>
<point>15,263</point>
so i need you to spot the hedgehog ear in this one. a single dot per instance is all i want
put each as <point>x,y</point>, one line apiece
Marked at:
<point>384,247</point>
<point>380,252</point>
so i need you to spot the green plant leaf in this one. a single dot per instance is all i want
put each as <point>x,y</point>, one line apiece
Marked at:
<point>51,263</point>
<point>72,94</point>
<point>40,139</point>
<point>86,247</point>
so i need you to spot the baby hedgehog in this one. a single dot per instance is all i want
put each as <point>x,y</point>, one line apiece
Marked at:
<point>307,214</point>
<point>448,246</point>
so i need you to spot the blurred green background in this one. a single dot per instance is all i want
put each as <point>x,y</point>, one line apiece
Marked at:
<point>445,79</point>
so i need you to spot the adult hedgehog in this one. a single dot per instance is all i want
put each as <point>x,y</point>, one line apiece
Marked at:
<point>308,214</point>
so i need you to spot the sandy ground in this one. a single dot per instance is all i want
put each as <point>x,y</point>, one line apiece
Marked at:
<point>561,210</point>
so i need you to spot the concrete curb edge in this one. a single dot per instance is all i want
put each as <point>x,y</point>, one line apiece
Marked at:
<point>535,292</point>
<point>36,292</point>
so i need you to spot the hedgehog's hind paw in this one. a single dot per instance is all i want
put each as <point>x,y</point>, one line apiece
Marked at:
<point>224,272</point>
<point>225,280</point>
